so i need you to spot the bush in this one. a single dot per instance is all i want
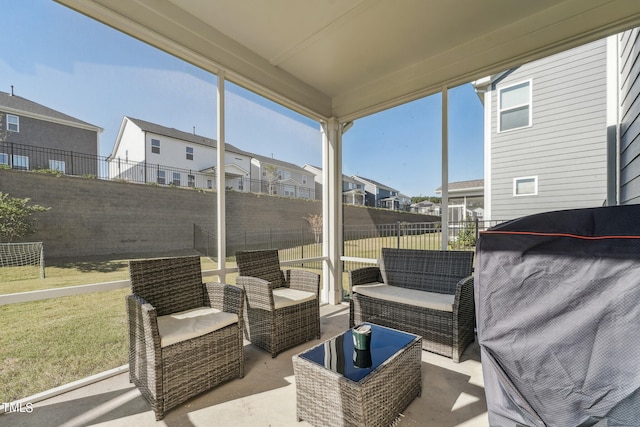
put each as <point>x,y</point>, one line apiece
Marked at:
<point>15,217</point>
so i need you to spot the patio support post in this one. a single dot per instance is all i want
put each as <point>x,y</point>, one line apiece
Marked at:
<point>445,168</point>
<point>332,211</point>
<point>613,122</point>
<point>220,192</point>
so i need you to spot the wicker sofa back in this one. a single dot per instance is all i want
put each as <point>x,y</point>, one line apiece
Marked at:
<point>425,270</point>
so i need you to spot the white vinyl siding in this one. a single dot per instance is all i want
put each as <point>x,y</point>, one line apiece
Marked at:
<point>629,117</point>
<point>514,104</point>
<point>565,147</point>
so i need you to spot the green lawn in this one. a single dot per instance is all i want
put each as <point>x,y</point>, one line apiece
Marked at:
<point>45,344</point>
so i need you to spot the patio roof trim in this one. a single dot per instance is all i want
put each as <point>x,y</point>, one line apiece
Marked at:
<point>481,51</point>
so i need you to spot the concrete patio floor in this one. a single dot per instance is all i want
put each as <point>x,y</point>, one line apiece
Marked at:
<point>452,394</point>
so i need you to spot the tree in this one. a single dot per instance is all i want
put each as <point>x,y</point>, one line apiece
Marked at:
<point>315,223</point>
<point>15,217</point>
<point>271,175</point>
<point>432,199</point>
<point>468,235</point>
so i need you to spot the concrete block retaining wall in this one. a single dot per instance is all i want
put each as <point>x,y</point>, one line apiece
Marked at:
<point>90,217</point>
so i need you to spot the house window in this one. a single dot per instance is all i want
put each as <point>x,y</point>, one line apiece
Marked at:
<point>162,177</point>
<point>304,179</point>
<point>189,153</point>
<point>176,179</point>
<point>191,180</point>
<point>279,173</point>
<point>526,186</point>
<point>13,123</point>
<point>57,165</point>
<point>304,193</point>
<point>155,146</point>
<point>514,107</point>
<point>20,162</point>
<point>240,184</point>
<point>287,174</point>
<point>209,184</point>
<point>4,159</point>
<point>289,190</point>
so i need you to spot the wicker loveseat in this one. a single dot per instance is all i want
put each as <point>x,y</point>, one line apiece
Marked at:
<point>424,292</point>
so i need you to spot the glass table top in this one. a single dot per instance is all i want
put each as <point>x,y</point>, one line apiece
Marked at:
<point>338,354</point>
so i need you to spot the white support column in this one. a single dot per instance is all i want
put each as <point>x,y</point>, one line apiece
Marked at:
<point>220,181</point>
<point>487,155</point>
<point>613,122</point>
<point>332,211</point>
<point>445,168</point>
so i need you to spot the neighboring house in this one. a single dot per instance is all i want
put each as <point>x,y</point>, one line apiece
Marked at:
<point>381,196</point>
<point>33,136</point>
<point>275,176</point>
<point>148,152</point>
<point>546,131</point>
<point>466,200</point>
<point>352,191</point>
<point>426,207</point>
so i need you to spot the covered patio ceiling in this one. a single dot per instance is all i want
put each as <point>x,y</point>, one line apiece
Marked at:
<point>350,58</point>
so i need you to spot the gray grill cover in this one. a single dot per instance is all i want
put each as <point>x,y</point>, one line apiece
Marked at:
<point>558,313</point>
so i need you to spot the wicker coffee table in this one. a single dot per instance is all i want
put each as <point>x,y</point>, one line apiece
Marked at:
<point>337,385</point>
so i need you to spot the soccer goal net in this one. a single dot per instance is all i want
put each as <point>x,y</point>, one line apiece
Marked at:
<point>21,260</point>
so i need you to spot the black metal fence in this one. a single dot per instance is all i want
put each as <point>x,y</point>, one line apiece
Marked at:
<point>359,241</point>
<point>292,243</point>
<point>28,157</point>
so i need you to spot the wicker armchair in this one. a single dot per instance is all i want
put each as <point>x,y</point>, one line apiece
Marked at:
<point>283,308</point>
<point>167,363</point>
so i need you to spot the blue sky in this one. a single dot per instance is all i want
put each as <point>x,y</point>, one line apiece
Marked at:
<point>68,62</point>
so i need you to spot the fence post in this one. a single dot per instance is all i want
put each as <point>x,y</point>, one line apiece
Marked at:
<point>398,233</point>
<point>42,274</point>
<point>477,230</point>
